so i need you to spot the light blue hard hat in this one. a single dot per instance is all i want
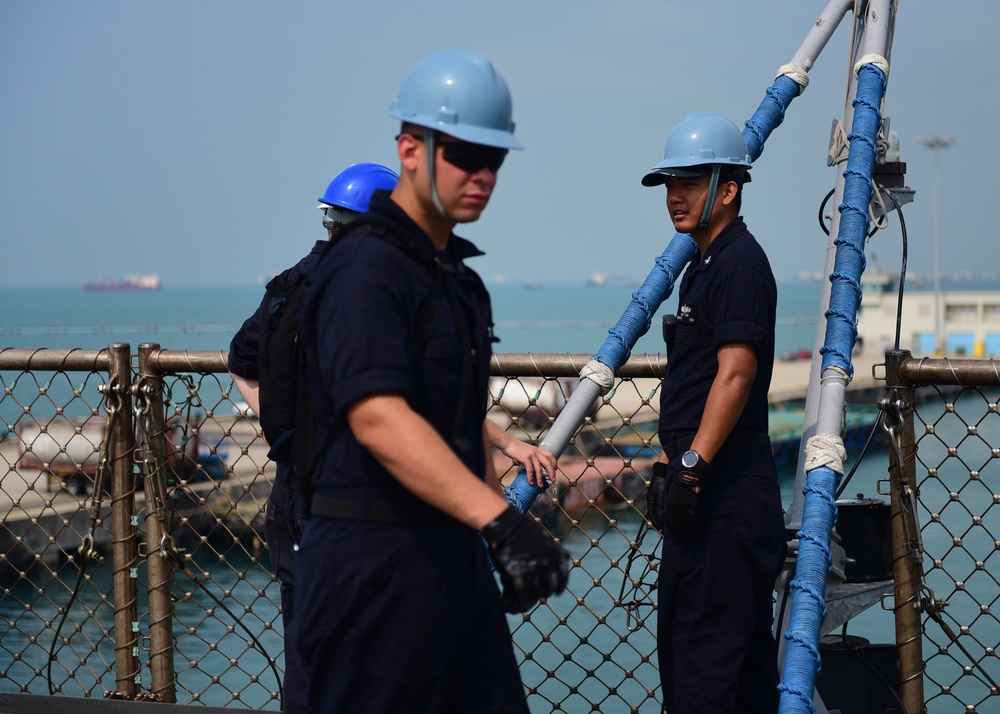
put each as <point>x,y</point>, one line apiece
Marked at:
<point>702,140</point>
<point>460,94</point>
<point>353,187</point>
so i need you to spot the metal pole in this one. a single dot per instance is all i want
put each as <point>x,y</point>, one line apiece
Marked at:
<point>907,566</point>
<point>823,29</point>
<point>161,607</point>
<point>827,388</point>
<point>935,144</point>
<point>793,519</point>
<point>121,447</point>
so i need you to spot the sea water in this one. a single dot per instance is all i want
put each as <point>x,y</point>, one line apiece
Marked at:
<point>537,318</point>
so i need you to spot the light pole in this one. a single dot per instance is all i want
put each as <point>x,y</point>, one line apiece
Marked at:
<point>935,144</point>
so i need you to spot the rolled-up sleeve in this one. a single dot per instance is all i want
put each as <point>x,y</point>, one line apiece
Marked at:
<point>744,316</point>
<point>362,344</point>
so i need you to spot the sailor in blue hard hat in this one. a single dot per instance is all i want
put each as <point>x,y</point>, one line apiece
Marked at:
<point>270,391</point>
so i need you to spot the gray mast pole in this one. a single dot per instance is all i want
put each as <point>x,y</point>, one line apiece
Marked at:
<point>827,389</point>
<point>823,29</point>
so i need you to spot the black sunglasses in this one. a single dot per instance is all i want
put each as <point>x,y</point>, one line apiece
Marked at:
<point>470,157</point>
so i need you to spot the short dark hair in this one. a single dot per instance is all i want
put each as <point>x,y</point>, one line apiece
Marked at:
<point>412,129</point>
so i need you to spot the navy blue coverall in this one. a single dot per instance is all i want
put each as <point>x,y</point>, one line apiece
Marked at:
<point>397,608</point>
<point>716,649</point>
<point>282,516</point>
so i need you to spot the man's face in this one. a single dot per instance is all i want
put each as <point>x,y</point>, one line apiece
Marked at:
<point>466,175</point>
<point>686,201</point>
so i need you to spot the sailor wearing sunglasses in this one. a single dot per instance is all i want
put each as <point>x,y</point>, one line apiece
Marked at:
<point>398,609</point>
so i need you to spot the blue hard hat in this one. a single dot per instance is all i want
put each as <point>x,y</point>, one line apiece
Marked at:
<point>702,140</point>
<point>353,187</point>
<point>460,94</point>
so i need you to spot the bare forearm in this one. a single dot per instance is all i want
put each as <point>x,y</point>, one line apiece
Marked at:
<point>536,461</point>
<point>726,399</point>
<point>249,389</point>
<point>416,455</point>
<point>725,403</point>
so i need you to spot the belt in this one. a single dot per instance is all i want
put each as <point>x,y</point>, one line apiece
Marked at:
<point>736,438</point>
<point>377,511</point>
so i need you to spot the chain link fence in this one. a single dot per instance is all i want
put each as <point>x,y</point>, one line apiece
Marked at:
<point>133,558</point>
<point>133,563</point>
<point>944,427</point>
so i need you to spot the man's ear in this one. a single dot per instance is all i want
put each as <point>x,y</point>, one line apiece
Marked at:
<point>410,155</point>
<point>728,191</point>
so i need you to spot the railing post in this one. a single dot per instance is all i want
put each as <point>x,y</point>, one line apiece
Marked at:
<point>121,450</point>
<point>161,607</point>
<point>906,552</point>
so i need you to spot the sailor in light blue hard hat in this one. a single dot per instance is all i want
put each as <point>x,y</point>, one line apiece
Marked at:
<point>714,484</point>
<point>400,611</point>
<point>461,96</point>
<point>703,144</point>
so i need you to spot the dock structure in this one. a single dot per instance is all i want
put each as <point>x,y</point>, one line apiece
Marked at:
<point>48,515</point>
<point>790,380</point>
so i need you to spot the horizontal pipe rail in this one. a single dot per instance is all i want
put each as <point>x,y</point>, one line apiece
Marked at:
<point>514,364</point>
<point>945,371</point>
<point>75,359</point>
<point>569,365</point>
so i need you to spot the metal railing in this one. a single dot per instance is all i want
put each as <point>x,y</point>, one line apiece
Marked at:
<point>133,563</point>
<point>133,559</point>
<point>944,427</point>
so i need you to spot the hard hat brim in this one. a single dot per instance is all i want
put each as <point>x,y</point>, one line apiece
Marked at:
<point>659,176</point>
<point>485,136</point>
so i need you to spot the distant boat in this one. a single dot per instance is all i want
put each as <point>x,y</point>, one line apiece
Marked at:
<point>128,282</point>
<point>600,279</point>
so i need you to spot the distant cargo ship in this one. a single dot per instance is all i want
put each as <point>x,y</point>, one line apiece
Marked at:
<point>128,282</point>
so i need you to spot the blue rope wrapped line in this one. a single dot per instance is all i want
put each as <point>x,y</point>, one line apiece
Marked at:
<point>819,507</point>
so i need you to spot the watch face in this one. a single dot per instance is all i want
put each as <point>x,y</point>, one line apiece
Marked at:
<point>690,459</point>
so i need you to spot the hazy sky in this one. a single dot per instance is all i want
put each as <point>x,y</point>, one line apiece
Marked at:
<point>193,138</point>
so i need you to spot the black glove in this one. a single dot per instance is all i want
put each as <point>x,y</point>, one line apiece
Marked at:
<point>657,495</point>
<point>680,512</point>
<point>531,564</point>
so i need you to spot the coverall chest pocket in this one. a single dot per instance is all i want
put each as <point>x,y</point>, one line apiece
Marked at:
<point>692,335</point>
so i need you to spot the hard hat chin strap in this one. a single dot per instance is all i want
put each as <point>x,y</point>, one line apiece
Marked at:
<point>431,175</point>
<point>713,184</point>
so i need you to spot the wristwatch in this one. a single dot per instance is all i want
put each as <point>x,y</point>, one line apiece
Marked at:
<point>692,460</point>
